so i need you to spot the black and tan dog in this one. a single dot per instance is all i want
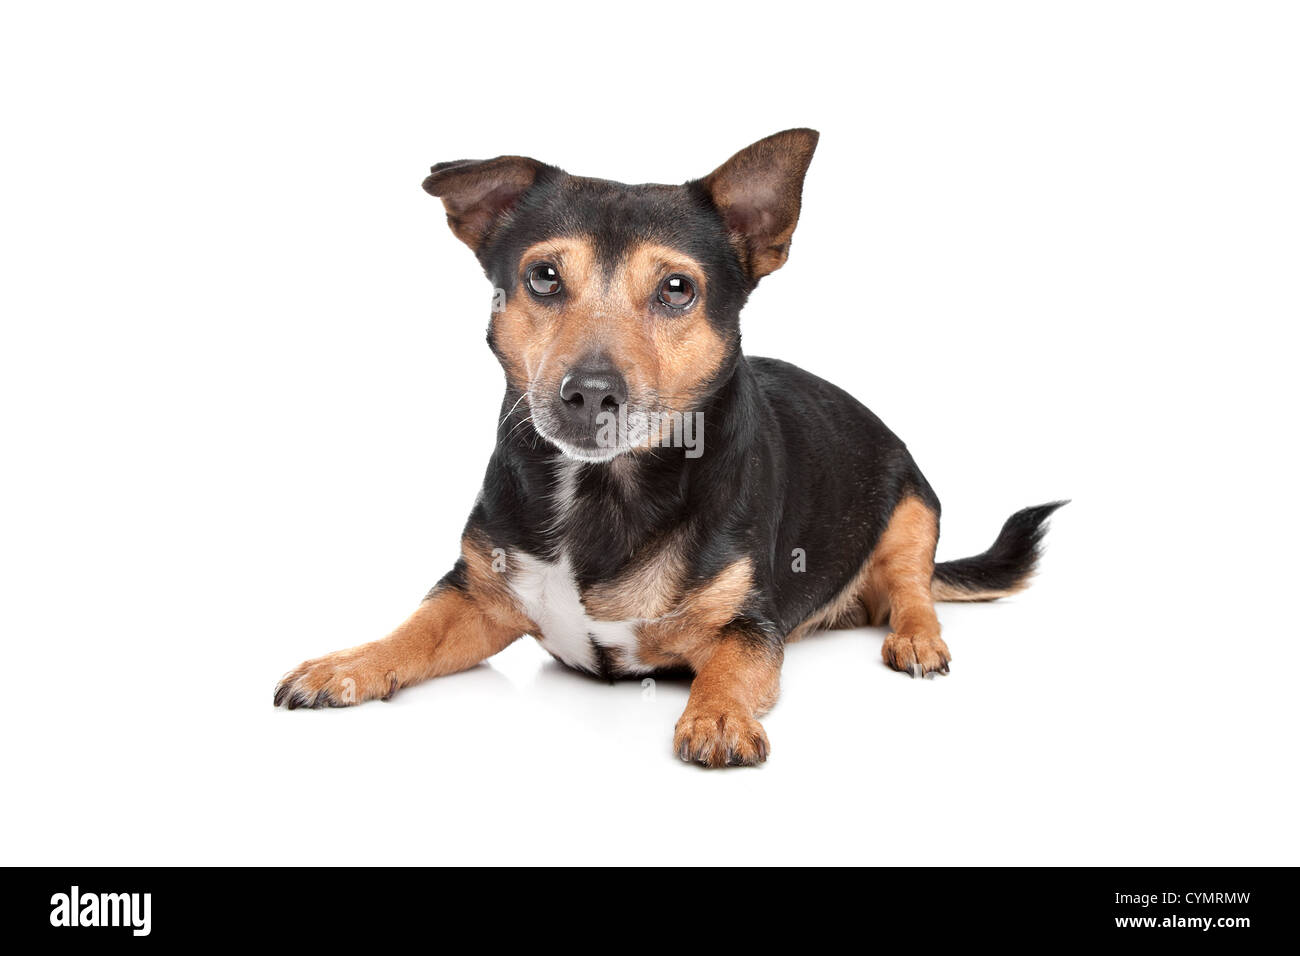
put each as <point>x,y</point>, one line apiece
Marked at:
<point>627,549</point>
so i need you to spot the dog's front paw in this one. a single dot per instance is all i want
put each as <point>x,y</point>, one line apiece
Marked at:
<point>722,738</point>
<point>337,680</point>
<point>920,655</point>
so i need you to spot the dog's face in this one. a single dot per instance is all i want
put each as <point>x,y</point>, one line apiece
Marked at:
<point>620,303</point>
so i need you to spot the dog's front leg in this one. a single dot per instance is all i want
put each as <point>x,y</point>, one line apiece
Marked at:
<point>456,627</point>
<point>737,678</point>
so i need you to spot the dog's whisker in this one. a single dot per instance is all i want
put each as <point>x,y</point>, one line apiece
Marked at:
<point>522,396</point>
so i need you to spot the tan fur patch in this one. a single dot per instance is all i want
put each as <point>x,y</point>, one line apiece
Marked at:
<point>650,588</point>
<point>900,571</point>
<point>487,575</point>
<point>687,636</point>
<point>901,567</point>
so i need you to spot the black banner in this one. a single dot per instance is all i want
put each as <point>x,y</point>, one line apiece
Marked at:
<point>360,906</point>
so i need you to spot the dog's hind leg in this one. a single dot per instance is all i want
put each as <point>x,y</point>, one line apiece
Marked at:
<point>898,588</point>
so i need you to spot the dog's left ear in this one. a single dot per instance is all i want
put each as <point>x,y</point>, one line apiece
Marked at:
<point>477,193</point>
<point>758,192</point>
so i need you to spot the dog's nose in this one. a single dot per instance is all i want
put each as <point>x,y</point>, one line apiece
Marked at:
<point>588,391</point>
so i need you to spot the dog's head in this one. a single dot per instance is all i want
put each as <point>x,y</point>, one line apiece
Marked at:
<point>623,298</point>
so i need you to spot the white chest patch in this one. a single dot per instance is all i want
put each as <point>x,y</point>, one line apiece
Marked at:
<point>548,593</point>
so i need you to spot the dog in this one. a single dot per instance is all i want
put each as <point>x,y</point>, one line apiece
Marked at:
<point>657,500</point>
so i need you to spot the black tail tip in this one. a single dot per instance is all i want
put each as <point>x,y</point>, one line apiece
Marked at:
<point>1023,532</point>
<point>1037,514</point>
<point>1006,566</point>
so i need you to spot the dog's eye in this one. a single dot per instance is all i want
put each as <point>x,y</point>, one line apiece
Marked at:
<point>677,292</point>
<point>544,279</point>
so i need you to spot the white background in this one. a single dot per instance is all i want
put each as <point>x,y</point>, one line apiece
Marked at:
<point>247,405</point>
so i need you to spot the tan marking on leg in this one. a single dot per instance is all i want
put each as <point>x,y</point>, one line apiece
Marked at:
<point>737,681</point>
<point>898,583</point>
<point>451,631</point>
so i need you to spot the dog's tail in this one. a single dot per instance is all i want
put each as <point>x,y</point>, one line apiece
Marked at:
<point>1003,569</point>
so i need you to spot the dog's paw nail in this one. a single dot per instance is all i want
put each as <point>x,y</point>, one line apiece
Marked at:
<point>922,655</point>
<point>392,686</point>
<point>722,739</point>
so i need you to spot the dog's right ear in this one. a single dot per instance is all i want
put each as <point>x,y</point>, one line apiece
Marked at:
<point>477,193</point>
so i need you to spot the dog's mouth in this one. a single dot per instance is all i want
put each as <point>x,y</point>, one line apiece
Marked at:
<point>590,453</point>
<point>617,430</point>
<point>602,436</point>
